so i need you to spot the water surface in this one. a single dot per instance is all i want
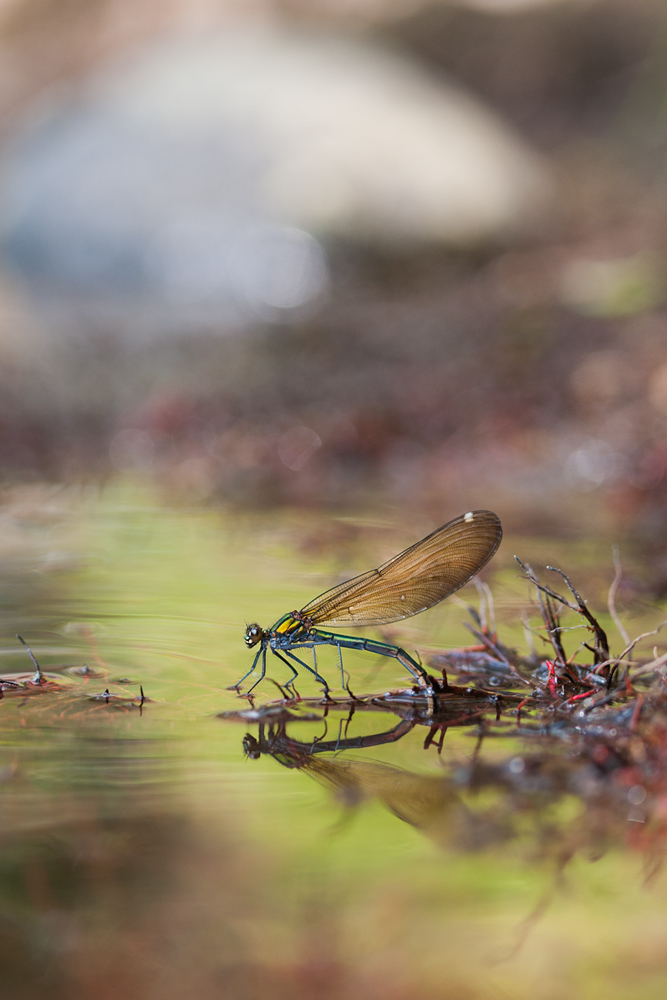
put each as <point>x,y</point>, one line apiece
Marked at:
<point>144,855</point>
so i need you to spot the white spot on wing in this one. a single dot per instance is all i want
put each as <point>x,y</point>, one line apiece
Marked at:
<point>469,517</point>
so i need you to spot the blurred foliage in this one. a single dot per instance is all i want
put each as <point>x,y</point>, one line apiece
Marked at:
<point>428,378</point>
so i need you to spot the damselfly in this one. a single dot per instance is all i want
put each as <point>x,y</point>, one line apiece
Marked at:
<point>413,581</point>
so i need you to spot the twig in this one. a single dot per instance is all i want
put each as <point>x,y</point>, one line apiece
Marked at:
<point>492,608</point>
<point>601,651</point>
<point>552,622</point>
<point>482,604</point>
<point>455,599</point>
<point>528,632</point>
<point>601,641</point>
<point>549,614</point>
<point>39,674</point>
<point>605,700</point>
<point>611,600</point>
<point>644,635</point>
<point>649,668</point>
<point>496,651</point>
<point>636,713</point>
<point>530,575</point>
<point>488,643</point>
<point>614,661</point>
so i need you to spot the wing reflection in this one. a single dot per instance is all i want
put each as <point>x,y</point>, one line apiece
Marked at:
<point>559,790</point>
<point>417,799</point>
<point>420,800</point>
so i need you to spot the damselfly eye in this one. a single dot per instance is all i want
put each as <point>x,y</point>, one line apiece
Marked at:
<point>253,635</point>
<point>251,747</point>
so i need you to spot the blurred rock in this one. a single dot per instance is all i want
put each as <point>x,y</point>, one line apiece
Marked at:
<point>190,185</point>
<point>294,180</point>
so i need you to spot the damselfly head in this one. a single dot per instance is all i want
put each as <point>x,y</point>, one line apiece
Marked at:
<point>253,635</point>
<point>251,747</point>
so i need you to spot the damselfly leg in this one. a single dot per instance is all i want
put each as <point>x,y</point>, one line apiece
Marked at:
<point>295,673</point>
<point>262,652</point>
<point>235,687</point>
<point>303,663</point>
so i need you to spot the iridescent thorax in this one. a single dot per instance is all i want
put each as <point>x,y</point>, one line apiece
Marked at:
<point>293,626</point>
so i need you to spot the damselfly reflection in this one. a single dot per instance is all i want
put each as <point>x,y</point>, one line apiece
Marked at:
<point>274,741</point>
<point>413,581</point>
<point>439,708</point>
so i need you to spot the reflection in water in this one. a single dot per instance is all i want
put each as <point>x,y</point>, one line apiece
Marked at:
<point>413,798</point>
<point>40,682</point>
<point>438,706</point>
<point>582,788</point>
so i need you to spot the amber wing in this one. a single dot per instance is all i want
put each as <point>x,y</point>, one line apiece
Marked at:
<point>415,579</point>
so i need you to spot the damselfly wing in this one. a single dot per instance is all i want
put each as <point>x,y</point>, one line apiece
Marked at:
<point>416,579</point>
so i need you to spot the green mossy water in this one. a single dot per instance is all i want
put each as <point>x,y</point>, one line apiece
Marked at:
<point>142,855</point>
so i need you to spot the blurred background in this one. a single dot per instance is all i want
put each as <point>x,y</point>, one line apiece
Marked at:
<point>321,252</point>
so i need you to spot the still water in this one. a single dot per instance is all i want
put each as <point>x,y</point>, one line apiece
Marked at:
<point>145,855</point>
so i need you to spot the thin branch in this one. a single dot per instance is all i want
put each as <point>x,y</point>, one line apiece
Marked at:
<point>644,635</point>
<point>496,651</point>
<point>488,643</point>
<point>575,593</point>
<point>486,602</point>
<point>552,622</point>
<point>601,641</point>
<point>606,700</point>
<point>614,661</point>
<point>611,600</point>
<point>549,614</point>
<point>532,577</point>
<point>601,650</point>
<point>39,674</point>
<point>492,608</point>
<point>482,603</point>
<point>651,667</point>
<point>455,599</point>
<point>528,632</point>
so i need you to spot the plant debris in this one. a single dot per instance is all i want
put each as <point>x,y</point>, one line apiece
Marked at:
<point>589,727</point>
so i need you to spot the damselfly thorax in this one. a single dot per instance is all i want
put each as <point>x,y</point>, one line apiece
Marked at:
<point>293,627</point>
<point>412,581</point>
